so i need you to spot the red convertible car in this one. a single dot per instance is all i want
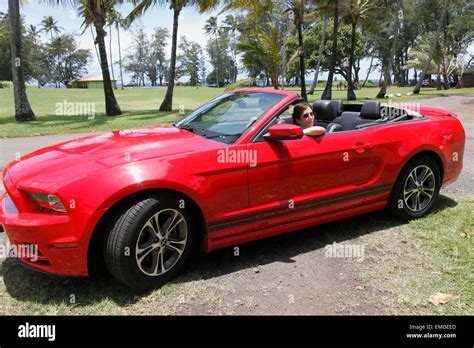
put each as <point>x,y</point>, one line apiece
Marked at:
<point>139,202</point>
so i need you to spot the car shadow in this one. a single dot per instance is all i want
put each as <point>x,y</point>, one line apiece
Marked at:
<point>27,285</point>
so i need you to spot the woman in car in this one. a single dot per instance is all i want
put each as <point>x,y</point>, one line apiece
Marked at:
<point>303,116</point>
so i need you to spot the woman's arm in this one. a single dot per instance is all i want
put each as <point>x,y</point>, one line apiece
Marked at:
<point>314,131</point>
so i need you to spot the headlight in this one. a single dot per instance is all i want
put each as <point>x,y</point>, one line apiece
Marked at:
<point>47,202</point>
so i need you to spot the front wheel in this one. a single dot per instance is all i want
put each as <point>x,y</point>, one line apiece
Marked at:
<point>150,242</point>
<point>416,189</point>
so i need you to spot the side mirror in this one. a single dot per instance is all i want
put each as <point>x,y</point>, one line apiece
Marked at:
<point>283,132</point>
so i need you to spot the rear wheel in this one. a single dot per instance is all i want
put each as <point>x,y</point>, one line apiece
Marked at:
<point>150,242</point>
<point>416,189</point>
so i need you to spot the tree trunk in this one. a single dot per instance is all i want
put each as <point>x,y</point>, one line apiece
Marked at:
<point>217,61</point>
<point>401,72</point>
<point>167,104</point>
<point>110,52</point>
<point>356,73</point>
<point>111,106</point>
<point>327,94</point>
<point>120,56</point>
<point>386,79</point>
<point>301,49</point>
<point>416,89</point>
<point>446,82</point>
<point>388,68</point>
<point>320,55</point>
<point>350,85</point>
<point>368,72</point>
<point>275,81</point>
<point>23,111</point>
<point>95,47</point>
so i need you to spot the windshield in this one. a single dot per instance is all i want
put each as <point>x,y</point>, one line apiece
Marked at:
<point>227,117</point>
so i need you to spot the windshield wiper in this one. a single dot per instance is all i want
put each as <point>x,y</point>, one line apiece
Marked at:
<point>195,130</point>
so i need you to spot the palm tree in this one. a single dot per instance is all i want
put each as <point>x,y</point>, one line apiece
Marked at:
<point>34,33</point>
<point>320,55</point>
<point>300,8</point>
<point>212,28</point>
<point>442,63</point>
<point>176,6</point>
<point>327,94</point>
<point>264,51</point>
<point>95,14</point>
<point>23,111</point>
<point>233,24</point>
<point>116,18</point>
<point>355,11</point>
<point>416,89</point>
<point>50,26</point>
<point>388,61</point>
<point>111,20</point>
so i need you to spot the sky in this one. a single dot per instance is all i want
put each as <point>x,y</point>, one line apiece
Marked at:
<point>190,25</point>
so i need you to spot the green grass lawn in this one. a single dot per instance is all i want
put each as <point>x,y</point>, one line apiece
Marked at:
<point>140,107</point>
<point>434,254</point>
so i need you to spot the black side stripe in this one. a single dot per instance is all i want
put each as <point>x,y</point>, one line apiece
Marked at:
<point>330,198</point>
<point>299,207</point>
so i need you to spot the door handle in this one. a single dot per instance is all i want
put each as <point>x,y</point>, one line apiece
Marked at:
<point>361,147</point>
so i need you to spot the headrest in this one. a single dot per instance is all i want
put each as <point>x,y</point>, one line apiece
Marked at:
<point>370,109</point>
<point>337,104</point>
<point>324,110</point>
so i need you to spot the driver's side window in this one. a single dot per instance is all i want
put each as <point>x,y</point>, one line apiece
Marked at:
<point>283,116</point>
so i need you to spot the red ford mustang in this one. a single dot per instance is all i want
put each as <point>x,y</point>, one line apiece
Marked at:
<point>235,170</point>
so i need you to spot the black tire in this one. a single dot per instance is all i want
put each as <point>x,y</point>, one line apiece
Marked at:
<point>122,242</point>
<point>406,209</point>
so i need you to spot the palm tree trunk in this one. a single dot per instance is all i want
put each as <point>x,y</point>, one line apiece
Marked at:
<point>301,49</point>
<point>350,85</point>
<point>389,61</point>
<point>167,103</point>
<point>217,61</point>
<point>416,89</point>
<point>368,72</point>
<point>327,94</point>
<point>23,111</point>
<point>120,55</point>
<point>95,47</point>
<point>110,52</point>
<point>111,106</point>
<point>320,54</point>
<point>234,53</point>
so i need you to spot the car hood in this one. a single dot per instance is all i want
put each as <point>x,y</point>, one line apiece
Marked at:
<point>85,156</point>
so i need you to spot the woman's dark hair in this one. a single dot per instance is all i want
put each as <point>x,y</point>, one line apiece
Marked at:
<point>298,110</point>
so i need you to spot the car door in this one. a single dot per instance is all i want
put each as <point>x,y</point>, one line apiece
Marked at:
<point>295,179</point>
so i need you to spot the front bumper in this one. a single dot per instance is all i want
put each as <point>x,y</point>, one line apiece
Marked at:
<point>45,242</point>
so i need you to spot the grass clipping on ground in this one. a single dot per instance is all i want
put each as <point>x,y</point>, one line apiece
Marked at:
<point>425,259</point>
